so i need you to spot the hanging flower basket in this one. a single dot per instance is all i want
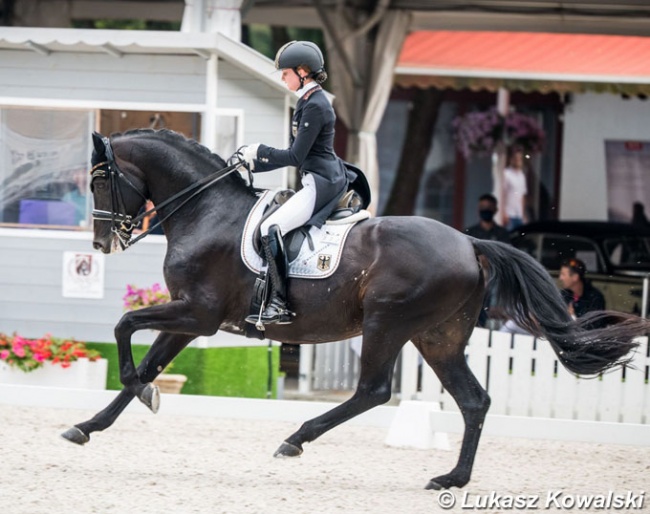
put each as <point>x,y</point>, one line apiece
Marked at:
<point>478,133</point>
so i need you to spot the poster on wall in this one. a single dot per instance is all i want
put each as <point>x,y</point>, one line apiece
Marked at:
<point>83,275</point>
<point>628,178</point>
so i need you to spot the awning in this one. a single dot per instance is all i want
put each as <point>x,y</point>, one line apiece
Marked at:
<point>525,61</point>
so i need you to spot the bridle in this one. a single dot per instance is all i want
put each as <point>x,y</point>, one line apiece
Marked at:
<point>122,224</point>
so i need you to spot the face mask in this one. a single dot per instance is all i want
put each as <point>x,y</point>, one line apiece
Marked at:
<point>486,214</point>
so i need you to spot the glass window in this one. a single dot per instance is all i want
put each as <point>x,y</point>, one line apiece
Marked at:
<point>628,251</point>
<point>556,249</point>
<point>44,158</point>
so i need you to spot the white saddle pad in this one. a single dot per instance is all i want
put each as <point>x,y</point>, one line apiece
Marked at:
<point>321,262</point>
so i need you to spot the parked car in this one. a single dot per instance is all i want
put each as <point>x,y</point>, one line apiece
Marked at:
<point>616,255</point>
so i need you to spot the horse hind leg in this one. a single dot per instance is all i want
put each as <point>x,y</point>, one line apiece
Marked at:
<point>447,359</point>
<point>380,349</point>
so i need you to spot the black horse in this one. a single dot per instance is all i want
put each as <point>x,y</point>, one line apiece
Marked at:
<point>400,279</point>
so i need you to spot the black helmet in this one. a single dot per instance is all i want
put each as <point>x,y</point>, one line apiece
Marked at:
<point>300,53</point>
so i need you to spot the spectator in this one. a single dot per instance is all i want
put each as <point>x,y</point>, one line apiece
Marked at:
<point>578,293</point>
<point>487,228</point>
<point>514,191</point>
<point>77,196</point>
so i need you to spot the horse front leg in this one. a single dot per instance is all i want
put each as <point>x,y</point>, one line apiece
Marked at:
<point>177,316</point>
<point>379,352</point>
<point>161,353</point>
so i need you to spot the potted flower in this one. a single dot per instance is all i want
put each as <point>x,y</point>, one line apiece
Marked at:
<point>479,132</point>
<point>50,361</point>
<point>138,298</point>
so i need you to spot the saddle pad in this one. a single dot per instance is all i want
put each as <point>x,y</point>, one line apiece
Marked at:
<point>321,262</point>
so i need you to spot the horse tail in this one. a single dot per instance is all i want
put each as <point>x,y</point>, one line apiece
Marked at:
<point>528,295</point>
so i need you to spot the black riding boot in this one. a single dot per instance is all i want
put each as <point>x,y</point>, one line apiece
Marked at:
<point>275,310</point>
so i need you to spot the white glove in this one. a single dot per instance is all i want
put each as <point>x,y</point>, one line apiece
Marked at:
<point>249,154</point>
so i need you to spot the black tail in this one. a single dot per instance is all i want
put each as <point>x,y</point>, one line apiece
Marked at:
<point>528,295</point>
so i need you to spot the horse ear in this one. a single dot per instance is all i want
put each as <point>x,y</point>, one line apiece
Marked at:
<point>98,143</point>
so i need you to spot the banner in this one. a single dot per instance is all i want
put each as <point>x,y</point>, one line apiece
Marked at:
<point>628,177</point>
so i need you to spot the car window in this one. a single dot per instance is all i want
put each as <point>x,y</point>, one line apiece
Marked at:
<point>628,251</point>
<point>558,248</point>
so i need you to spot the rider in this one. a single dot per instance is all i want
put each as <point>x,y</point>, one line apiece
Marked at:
<point>324,175</point>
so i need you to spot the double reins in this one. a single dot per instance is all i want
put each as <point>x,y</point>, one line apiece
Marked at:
<point>122,224</point>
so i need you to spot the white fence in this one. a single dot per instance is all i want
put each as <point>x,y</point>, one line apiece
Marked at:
<point>521,374</point>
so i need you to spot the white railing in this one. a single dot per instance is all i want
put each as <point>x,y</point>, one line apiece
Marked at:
<point>521,374</point>
<point>524,378</point>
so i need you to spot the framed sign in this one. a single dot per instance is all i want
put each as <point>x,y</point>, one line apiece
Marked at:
<point>83,275</point>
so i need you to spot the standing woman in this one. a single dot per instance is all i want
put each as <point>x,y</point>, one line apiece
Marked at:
<point>324,176</point>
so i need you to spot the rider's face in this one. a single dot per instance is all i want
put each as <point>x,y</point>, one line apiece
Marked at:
<point>290,78</point>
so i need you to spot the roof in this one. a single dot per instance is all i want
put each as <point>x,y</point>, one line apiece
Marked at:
<point>525,61</point>
<point>48,41</point>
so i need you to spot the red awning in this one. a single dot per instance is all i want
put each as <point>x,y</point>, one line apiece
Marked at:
<point>525,61</point>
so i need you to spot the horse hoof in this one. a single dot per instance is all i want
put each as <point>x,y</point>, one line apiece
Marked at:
<point>433,485</point>
<point>75,435</point>
<point>150,396</point>
<point>288,450</point>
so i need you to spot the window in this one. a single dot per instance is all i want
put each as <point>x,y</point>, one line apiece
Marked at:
<point>44,158</point>
<point>558,248</point>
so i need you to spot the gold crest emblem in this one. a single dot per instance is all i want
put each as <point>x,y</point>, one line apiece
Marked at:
<point>324,262</point>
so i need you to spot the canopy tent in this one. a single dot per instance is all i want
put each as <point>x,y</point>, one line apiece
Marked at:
<point>525,61</point>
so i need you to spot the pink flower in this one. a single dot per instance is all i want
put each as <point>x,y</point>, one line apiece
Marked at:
<point>19,349</point>
<point>4,354</point>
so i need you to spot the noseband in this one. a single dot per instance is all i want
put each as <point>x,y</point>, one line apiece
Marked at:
<point>122,224</point>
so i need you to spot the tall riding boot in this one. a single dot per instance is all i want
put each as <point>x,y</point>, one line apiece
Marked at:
<point>275,310</point>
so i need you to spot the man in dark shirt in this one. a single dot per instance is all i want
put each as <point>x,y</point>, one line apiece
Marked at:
<point>580,296</point>
<point>486,228</point>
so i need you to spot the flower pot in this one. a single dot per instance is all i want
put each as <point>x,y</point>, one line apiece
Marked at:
<point>170,382</point>
<point>82,374</point>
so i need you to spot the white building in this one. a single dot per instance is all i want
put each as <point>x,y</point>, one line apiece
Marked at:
<point>56,87</point>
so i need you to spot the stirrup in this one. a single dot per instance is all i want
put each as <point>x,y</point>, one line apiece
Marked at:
<point>283,317</point>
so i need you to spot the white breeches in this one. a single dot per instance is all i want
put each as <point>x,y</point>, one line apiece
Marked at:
<point>296,211</point>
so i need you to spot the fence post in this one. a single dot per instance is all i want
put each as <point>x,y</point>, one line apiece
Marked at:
<point>644,300</point>
<point>305,368</point>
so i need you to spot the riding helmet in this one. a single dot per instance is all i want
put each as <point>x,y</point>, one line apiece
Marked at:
<point>297,53</point>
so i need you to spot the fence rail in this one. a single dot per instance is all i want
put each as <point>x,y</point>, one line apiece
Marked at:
<point>521,374</point>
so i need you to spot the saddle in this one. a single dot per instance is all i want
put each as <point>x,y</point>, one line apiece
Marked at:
<point>350,204</point>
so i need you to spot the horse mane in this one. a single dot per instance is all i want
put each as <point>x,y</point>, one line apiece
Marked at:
<point>179,139</point>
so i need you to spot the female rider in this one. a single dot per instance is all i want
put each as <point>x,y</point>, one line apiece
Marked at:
<point>324,175</point>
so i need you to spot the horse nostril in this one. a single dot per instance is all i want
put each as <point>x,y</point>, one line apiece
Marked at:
<point>98,246</point>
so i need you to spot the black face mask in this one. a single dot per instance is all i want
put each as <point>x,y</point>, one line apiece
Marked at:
<point>486,214</point>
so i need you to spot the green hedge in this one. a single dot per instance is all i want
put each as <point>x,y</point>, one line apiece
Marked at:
<point>233,371</point>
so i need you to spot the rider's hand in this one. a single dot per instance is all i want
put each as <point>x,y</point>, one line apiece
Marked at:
<point>249,154</point>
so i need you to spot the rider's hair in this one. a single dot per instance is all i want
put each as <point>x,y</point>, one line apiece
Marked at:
<point>319,77</point>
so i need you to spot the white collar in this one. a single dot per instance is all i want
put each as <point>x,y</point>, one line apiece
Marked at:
<point>310,85</point>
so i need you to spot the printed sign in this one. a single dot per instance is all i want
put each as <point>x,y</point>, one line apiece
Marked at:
<point>83,275</point>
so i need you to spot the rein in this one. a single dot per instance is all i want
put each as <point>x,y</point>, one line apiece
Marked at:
<point>122,224</point>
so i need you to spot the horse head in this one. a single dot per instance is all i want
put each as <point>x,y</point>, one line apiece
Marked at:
<point>119,192</point>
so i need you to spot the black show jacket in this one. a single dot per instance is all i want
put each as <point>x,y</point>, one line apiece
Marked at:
<point>311,151</point>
